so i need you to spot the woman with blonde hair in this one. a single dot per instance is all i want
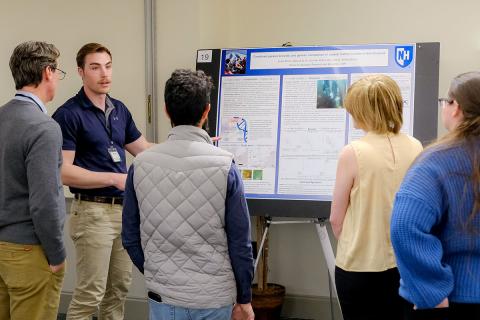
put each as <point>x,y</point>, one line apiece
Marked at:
<point>436,222</point>
<point>369,173</point>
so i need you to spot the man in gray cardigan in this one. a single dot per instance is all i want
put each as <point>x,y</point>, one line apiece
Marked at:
<point>32,204</point>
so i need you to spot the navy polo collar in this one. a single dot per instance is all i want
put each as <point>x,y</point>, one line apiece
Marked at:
<point>85,102</point>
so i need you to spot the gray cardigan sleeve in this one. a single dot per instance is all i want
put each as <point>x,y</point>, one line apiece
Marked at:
<point>43,160</point>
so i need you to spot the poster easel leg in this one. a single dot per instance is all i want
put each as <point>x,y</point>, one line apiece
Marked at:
<point>262,243</point>
<point>328,254</point>
<point>327,250</point>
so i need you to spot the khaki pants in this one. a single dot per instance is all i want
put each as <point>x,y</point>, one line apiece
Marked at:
<point>29,290</point>
<point>103,267</point>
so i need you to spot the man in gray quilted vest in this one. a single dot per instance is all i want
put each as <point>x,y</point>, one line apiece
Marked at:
<point>186,224</point>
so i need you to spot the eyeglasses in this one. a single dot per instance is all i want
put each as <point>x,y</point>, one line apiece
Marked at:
<point>62,73</point>
<point>443,101</point>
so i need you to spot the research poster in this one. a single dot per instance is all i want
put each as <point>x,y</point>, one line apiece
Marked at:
<point>281,112</point>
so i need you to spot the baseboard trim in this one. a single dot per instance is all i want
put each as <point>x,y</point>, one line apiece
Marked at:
<point>295,306</point>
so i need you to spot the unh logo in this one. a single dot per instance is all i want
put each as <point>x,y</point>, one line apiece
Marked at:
<point>403,55</point>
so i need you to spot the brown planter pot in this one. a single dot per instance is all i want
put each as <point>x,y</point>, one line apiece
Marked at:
<point>267,304</point>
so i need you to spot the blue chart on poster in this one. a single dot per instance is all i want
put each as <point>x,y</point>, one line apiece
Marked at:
<point>280,112</point>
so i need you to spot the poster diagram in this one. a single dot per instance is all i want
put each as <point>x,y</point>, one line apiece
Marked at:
<point>281,112</point>
<point>235,129</point>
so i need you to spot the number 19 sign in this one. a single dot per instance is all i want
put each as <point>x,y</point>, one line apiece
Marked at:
<point>204,56</point>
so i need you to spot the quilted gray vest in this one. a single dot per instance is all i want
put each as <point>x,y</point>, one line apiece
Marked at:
<point>181,187</point>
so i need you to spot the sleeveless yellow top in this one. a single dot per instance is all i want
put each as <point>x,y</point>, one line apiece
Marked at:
<point>382,160</point>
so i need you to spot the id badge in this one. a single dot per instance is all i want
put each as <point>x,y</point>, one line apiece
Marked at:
<point>114,154</point>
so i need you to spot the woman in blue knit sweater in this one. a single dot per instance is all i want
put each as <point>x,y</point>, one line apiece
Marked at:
<point>435,227</point>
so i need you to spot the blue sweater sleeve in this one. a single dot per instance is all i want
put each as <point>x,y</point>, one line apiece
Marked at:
<point>131,223</point>
<point>237,226</point>
<point>418,209</point>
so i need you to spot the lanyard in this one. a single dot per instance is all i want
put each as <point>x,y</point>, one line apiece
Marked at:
<point>108,128</point>
<point>22,95</point>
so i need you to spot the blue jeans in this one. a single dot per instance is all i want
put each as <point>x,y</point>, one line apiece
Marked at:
<point>162,311</point>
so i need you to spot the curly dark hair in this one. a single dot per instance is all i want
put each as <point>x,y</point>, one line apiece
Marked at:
<point>187,95</point>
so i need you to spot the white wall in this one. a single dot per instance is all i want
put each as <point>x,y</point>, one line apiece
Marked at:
<point>296,260</point>
<point>118,24</point>
<point>182,28</point>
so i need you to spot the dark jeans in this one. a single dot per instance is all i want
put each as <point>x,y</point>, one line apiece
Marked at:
<point>369,295</point>
<point>456,311</point>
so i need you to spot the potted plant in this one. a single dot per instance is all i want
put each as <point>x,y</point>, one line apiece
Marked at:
<point>267,298</point>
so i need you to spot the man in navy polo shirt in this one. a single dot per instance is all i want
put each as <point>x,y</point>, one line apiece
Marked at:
<point>97,130</point>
